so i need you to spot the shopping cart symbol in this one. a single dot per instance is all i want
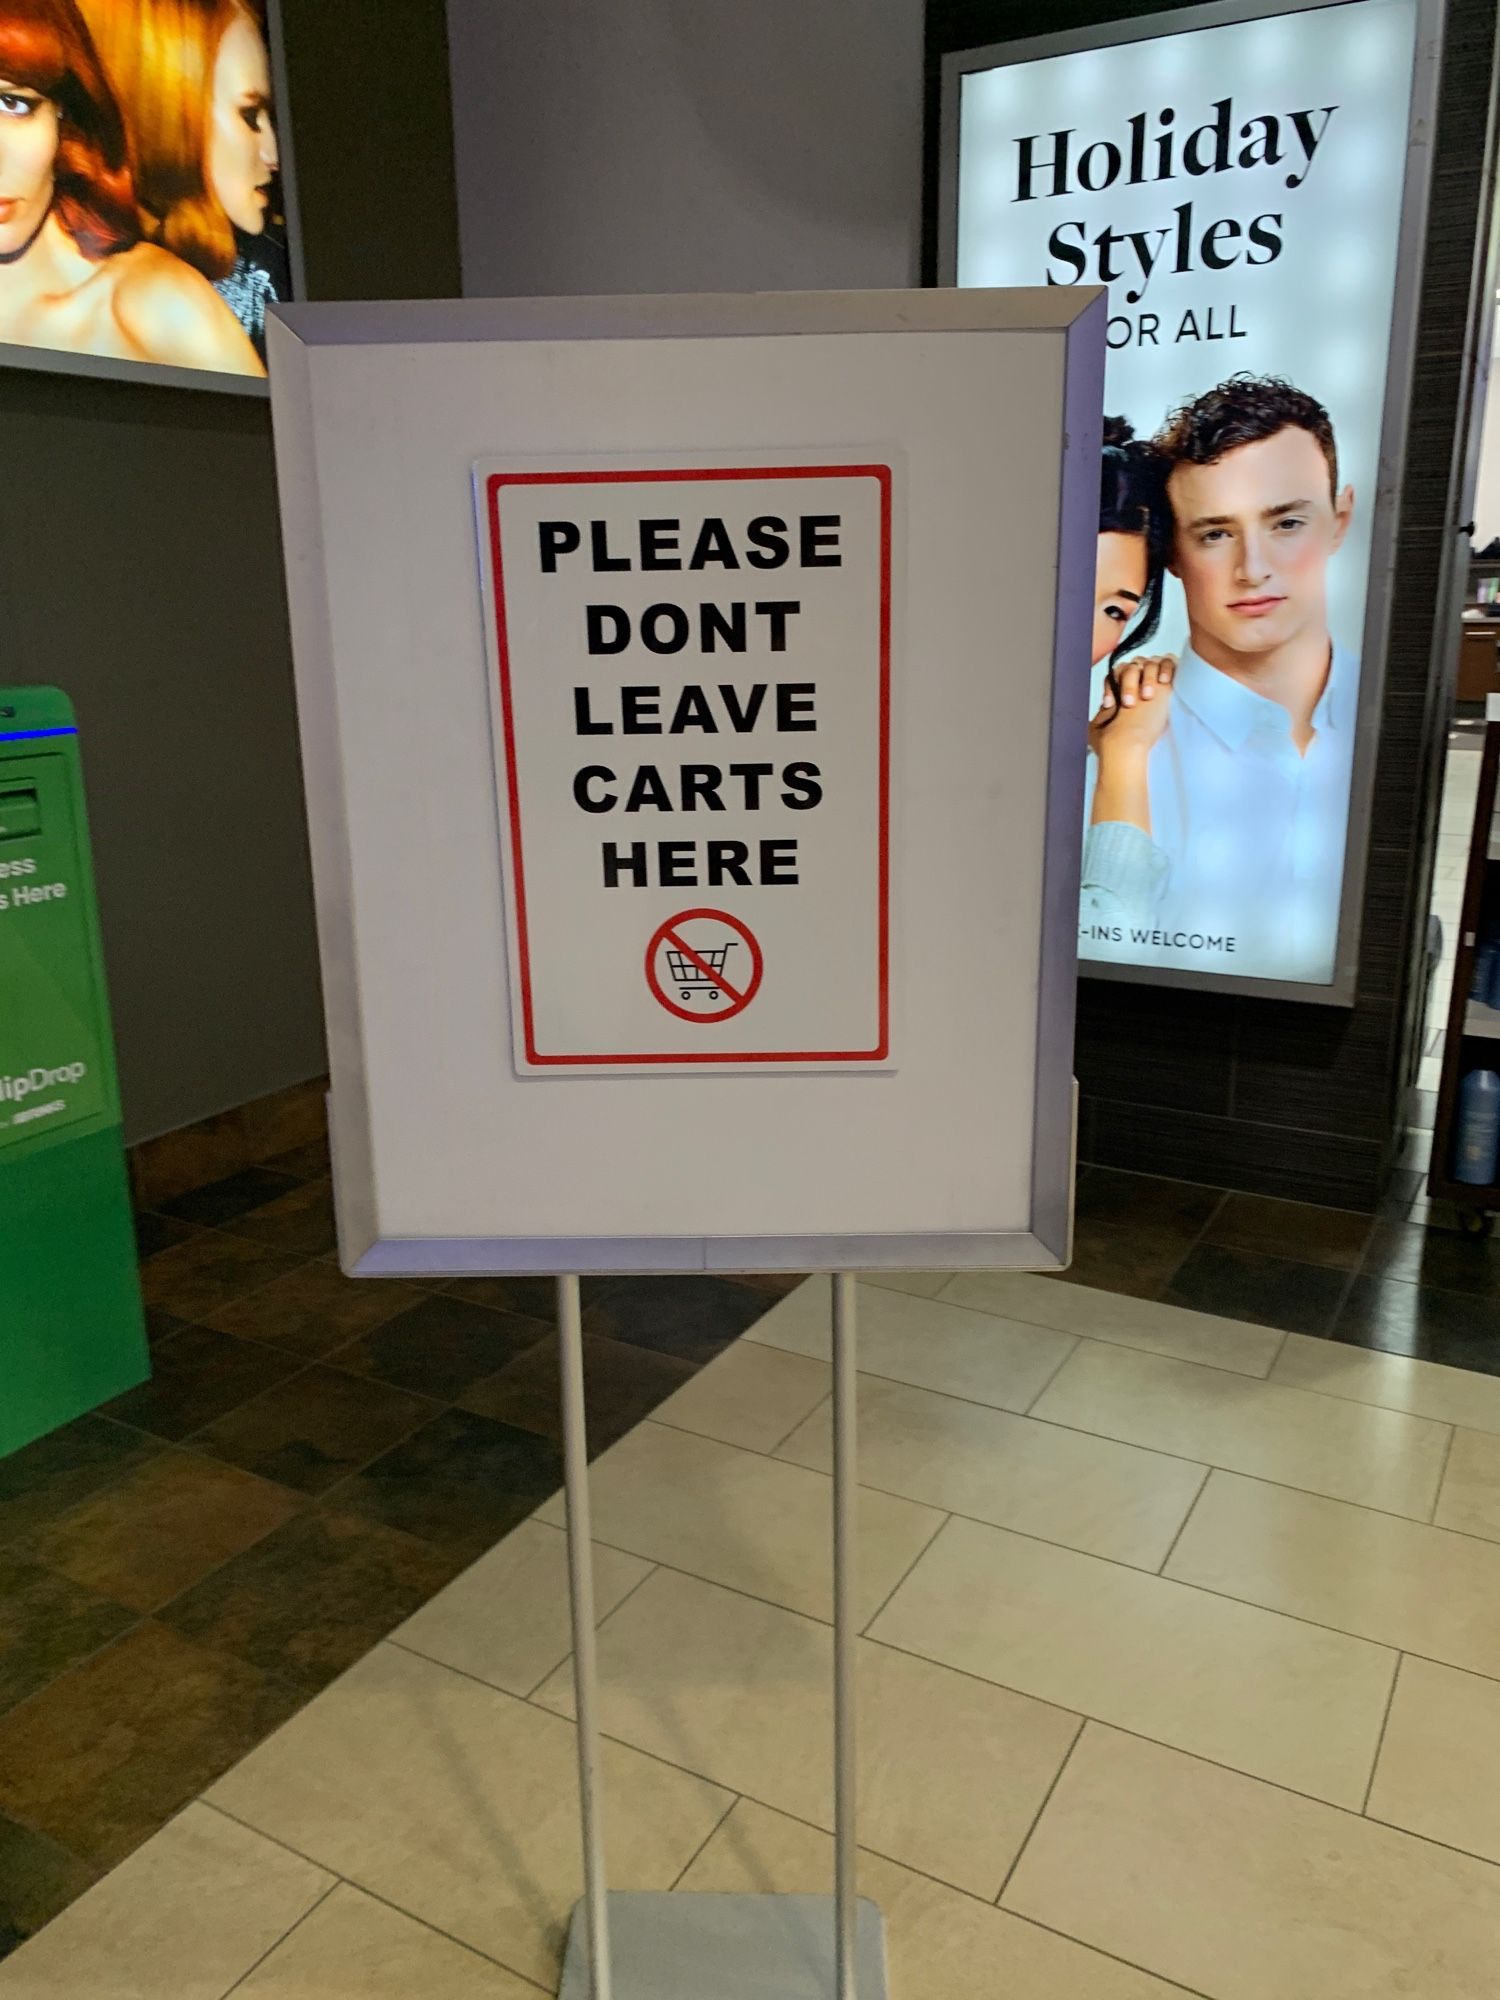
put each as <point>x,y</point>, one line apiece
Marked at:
<point>703,965</point>
<point>694,972</point>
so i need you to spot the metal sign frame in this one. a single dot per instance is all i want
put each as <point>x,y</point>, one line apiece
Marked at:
<point>1075,322</point>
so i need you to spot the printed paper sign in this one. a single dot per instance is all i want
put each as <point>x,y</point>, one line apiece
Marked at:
<point>692,672</point>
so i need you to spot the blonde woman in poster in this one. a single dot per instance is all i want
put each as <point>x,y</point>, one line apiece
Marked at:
<point>193,78</point>
<point>75,274</point>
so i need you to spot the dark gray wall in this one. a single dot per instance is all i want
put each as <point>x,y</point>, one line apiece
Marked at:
<point>1274,1096</point>
<point>140,569</point>
<point>687,145</point>
<point>373,131</point>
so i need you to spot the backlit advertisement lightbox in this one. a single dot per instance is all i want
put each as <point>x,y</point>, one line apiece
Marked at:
<point>142,226</point>
<point>1251,191</point>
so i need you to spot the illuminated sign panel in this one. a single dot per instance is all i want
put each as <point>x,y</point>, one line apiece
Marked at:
<point>143,227</point>
<point>1240,189</point>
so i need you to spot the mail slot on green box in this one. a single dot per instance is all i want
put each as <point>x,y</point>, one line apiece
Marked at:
<point>71,1332</point>
<point>20,812</point>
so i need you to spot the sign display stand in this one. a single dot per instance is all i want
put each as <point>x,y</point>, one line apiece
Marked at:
<point>693,699</point>
<point>729,1947</point>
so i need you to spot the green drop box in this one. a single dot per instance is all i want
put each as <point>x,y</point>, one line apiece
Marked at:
<point>71,1328</point>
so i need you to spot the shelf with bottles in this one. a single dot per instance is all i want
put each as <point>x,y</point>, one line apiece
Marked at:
<point>1466,1129</point>
<point>1471,1140</point>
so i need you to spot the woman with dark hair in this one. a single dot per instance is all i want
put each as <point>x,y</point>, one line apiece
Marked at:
<point>193,78</point>
<point>74,273</point>
<point>1134,525</point>
<point>1124,871</point>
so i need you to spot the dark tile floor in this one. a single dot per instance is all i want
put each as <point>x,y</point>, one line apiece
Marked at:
<point>1407,1280</point>
<point>314,1458</point>
<point>311,1461</point>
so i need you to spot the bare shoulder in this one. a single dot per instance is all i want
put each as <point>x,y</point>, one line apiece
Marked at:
<point>173,314</point>
<point>149,279</point>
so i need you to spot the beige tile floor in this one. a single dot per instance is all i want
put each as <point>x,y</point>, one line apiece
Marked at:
<point>1180,1675</point>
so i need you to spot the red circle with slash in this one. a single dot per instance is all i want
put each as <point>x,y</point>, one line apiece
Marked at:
<point>687,963</point>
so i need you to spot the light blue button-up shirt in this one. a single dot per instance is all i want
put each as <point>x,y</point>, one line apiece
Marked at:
<point>1244,869</point>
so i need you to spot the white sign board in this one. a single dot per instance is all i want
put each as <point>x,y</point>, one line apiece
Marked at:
<point>693,695</point>
<point>691,678</point>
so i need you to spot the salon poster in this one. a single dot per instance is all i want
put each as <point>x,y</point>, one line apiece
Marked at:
<point>1239,190</point>
<point>140,188</point>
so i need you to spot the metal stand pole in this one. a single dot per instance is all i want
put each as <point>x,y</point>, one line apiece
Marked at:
<point>585,1648</point>
<point>845,1631</point>
<point>666,1945</point>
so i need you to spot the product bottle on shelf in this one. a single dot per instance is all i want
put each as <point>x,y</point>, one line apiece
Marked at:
<point>1477,1144</point>
<point>1482,981</point>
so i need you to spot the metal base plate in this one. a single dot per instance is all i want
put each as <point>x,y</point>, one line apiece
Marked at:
<point>690,1947</point>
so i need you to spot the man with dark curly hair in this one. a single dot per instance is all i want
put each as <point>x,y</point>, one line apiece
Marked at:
<point>1237,762</point>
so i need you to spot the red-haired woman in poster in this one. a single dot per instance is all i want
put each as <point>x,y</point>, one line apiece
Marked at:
<point>194,82</point>
<point>74,273</point>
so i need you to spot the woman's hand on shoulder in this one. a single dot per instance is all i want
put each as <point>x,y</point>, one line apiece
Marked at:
<point>1137,722</point>
<point>173,314</point>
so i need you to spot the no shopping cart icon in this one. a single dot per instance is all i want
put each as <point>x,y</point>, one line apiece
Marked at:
<point>704,965</point>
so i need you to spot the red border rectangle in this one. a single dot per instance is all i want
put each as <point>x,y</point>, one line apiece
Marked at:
<point>690,475</point>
